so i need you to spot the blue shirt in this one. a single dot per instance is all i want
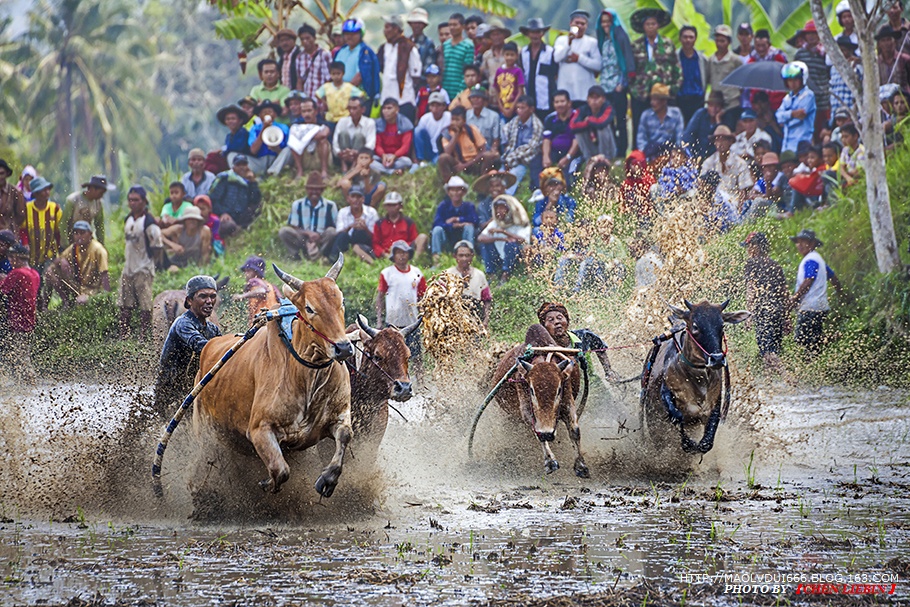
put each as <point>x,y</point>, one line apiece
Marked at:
<point>186,337</point>
<point>466,213</point>
<point>264,150</point>
<point>350,58</point>
<point>691,72</point>
<point>565,209</point>
<point>5,266</point>
<point>652,130</point>
<point>238,142</point>
<point>796,129</point>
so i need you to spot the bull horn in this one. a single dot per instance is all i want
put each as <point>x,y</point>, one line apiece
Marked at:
<point>564,364</point>
<point>405,331</point>
<point>525,365</point>
<point>291,281</point>
<point>335,270</point>
<point>364,324</point>
<point>724,305</point>
<point>221,283</point>
<point>688,304</point>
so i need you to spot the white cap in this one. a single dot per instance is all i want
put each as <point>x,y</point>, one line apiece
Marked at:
<point>456,182</point>
<point>437,97</point>
<point>392,198</point>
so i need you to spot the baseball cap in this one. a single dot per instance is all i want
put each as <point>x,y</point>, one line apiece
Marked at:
<point>392,198</point>
<point>437,97</point>
<point>432,69</point>
<point>356,190</point>
<point>82,225</point>
<point>748,114</point>
<point>254,263</point>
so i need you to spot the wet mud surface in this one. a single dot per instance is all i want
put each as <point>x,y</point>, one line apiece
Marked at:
<point>804,486</point>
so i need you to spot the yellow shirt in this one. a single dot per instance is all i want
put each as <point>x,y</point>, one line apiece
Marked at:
<point>43,229</point>
<point>88,265</point>
<point>336,99</point>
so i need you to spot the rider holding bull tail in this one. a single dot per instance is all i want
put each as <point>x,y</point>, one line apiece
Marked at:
<point>555,318</point>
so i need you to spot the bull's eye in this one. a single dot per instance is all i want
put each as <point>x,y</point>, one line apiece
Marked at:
<point>309,310</point>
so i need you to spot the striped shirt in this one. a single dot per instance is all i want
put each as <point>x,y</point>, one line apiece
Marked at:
<point>456,57</point>
<point>43,229</point>
<point>315,218</point>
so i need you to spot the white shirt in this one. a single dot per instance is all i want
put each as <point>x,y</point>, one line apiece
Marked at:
<point>345,221</point>
<point>434,127</point>
<point>366,127</point>
<point>390,74</point>
<point>816,298</point>
<point>136,258</point>
<point>400,294</point>
<point>743,146</point>
<point>499,240</point>
<point>578,77</point>
<point>646,269</point>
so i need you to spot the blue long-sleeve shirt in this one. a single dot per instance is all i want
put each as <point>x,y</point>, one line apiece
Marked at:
<point>187,336</point>
<point>238,142</point>
<point>465,212</point>
<point>565,208</point>
<point>796,129</point>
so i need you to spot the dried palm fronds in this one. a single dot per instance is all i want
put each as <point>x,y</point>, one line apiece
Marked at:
<point>450,325</point>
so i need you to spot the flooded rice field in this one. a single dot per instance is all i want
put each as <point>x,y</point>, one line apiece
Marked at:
<point>804,499</point>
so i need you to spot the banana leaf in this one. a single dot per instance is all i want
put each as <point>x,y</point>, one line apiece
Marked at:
<point>490,7</point>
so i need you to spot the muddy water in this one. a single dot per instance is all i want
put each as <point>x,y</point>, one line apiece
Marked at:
<point>803,484</point>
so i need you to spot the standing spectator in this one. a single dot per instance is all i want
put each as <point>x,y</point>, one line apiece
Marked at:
<point>175,205</point>
<point>43,220</point>
<point>744,35</point>
<point>19,296</point>
<point>819,72</point>
<point>484,119</point>
<point>396,226</point>
<point>719,65</point>
<point>312,63</point>
<point>285,42</point>
<point>236,198</point>
<point>455,218</point>
<point>189,241</point>
<point>522,141</point>
<point>311,224</point>
<point>765,118</point>
<point>401,286</point>
<point>257,292</point>
<point>335,95</point>
<point>354,132</point>
<point>355,227</point>
<point>540,68</point>
<point>457,52</point>
<point>430,128</point>
<point>143,246</point>
<point>766,298</point>
<point>559,145</point>
<point>88,206</point>
<point>197,180</point>
<point>592,125</point>
<point>418,20</point>
<point>735,173</point>
<point>694,73</point>
<point>656,62</point>
<point>893,65</point>
<point>7,240</point>
<point>212,222</point>
<point>270,87</point>
<point>502,240</point>
<point>811,296</point>
<point>81,270</point>
<point>394,136</point>
<point>493,57</point>
<point>237,141</point>
<point>476,287</point>
<point>399,63</point>
<point>697,137</point>
<point>897,22</point>
<point>617,68</point>
<point>763,51</point>
<point>463,149</point>
<point>361,66</point>
<point>578,58</point>
<point>749,136</point>
<point>315,154</point>
<point>841,95</point>
<point>661,123</point>
<point>474,30</point>
<point>12,200</point>
<point>509,82</point>
<point>797,111</point>
<point>28,173</point>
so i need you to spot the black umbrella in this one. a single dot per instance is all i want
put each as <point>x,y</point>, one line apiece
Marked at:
<point>764,75</point>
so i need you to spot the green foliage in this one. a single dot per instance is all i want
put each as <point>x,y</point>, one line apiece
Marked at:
<point>490,7</point>
<point>240,28</point>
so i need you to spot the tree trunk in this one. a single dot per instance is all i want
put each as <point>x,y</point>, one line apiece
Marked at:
<point>71,126</point>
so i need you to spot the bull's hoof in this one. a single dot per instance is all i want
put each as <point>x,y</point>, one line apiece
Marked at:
<point>269,486</point>
<point>581,469</point>
<point>324,487</point>
<point>551,466</point>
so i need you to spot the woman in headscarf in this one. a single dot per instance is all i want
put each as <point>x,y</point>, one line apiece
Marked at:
<point>553,197</point>
<point>503,238</point>
<point>636,188</point>
<point>25,179</point>
<point>617,66</point>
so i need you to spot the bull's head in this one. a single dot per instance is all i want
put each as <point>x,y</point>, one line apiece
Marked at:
<point>321,305</point>
<point>389,351</point>
<point>546,382</point>
<point>706,321</point>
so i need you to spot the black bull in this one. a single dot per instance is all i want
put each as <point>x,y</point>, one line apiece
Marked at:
<point>686,380</point>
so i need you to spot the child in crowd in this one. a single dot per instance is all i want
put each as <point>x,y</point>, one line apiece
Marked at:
<point>175,205</point>
<point>788,162</point>
<point>809,188</point>
<point>548,236</point>
<point>471,75</point>
<point>333,96</point>
<point>213,223</point>
<point>509,82</point>
<point>433,77</point>
<point>831,157</point>
<point>401,286</point>
<point>257,292</point>
<point>363,176</point>
<point>853,156</point>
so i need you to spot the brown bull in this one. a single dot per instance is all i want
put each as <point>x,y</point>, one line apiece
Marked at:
<point>542,395</point>
<point>685,382</point>
<point>381,375</point>
<point>168,305</point>
<point>268,397</point>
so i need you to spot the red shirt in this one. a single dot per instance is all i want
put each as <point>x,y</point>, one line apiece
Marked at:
<point>385,233</point>
<point>391,141</point>
<point>20,289</point>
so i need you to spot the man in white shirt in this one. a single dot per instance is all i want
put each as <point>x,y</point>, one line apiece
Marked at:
<point>399,83</point>
<point>811,297</point>
<point>354,226</point>
<point>353,133</point>
<point>746,139</point>
<point>430,128</point>
<point>735,174</point>
<point>578,57</point>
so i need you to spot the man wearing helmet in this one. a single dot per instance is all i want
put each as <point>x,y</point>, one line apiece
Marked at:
<point>797,111</point>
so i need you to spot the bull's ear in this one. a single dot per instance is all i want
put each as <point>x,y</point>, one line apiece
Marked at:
<point>736,317</point>
<point>678,313</point>
<point>565,364</point>
<point>288,291</point>
<point>364,324</point>
<point>524,366</point>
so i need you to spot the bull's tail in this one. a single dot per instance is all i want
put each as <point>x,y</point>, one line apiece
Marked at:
<point>188,402</point>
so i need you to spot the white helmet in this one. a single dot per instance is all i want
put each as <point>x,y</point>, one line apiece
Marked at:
<point>795,69</point>
<point>842,7</point>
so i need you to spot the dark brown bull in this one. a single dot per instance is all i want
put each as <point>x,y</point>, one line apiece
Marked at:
<point>267,398</point>
<point>685,382</point>
<point>381,375</point>
<point>542,394</point>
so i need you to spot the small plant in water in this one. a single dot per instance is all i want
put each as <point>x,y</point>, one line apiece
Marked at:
<point>750,471</point>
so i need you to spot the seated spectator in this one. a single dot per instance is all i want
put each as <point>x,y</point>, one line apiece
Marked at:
<point>270,87</point>
<point>237,141</point>
<point>335,95</point>
<point>87,205</point>
<point>809,188</point>
<point>490,186</point>
<point>365,176</point>
<point>852,156</point>
<point>268,158</point>
<point>508,84</point>
<point>788,164</point>
<point>648,262</point>
<point>476,287</point>
<point>311,224</point>
<point>548,238</point>
<point>749,135</point>
<point>554,199</point>
<point>18,302</point>
<point>759,149</point>
<point>502,240</point>
<point>678,175</point>
<point>635,191</point>
<point>831,177</point>
<point>463,149</point>
<point>592,124</point>
<point>399,62</point>
<point>81,270</point>
<point>354,132</point>
<point>396,226</point>
<point>433,77</point>
<point>455,218</point>
<point>236,198</point>
<point>841,117</point>
<point>559,145</point>
<point>484,119</point>
<point>292,107</point>
<point>175,205</point>
<point>600,262</point>
<point>197,180</point>
<point>314,135</point>
<point>661,123</point>
<point>354,226</point>
<point>248,105</point>
<point>797,111</point>
<point>735,174</point>
<point>188,241</point>
<point>257,293</point>
<point>697,136</point>
<point>430,128</point>
<point>767,189</point>
<point>212,222</point>
<point>522,142</point>
<point>471,81</point>
<point>394,135</point>
<point>719,212</point>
